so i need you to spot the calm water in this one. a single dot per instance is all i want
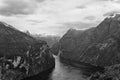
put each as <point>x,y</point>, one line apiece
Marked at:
<point>61,72</point>
<point>65,72</point>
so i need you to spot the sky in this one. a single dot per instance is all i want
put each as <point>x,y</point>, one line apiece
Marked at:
<point>55,17</point>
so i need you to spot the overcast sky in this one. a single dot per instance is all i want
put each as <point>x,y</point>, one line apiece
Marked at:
<point>55,17</point>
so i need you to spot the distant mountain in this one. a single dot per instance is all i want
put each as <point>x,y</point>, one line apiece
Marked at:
<point>55,48</point>
<point>48,38</point>
<point>98,46</point>
<point>22,55</point>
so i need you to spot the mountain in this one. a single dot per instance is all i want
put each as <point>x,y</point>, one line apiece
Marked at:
<point>21,55</point>
<point>50,39</point>
<point>110,73</point>
<point>55,48</point>
<point>99,46</point>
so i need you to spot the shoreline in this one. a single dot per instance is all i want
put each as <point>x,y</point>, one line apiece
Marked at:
<point>87,69</point>
<point>44,75</point>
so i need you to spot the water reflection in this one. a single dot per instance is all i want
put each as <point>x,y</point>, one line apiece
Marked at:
<point>65,72</point>
<point>61,72</point>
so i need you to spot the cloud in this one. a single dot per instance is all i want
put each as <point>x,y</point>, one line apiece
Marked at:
<point>106,0</point>
<point>18,7</point>
<point>55,16</point>
<point>90,18</point>
<point>81,7</point>
<point>40,1</point>
<point>35,21</point>
<point>111,13</point>
<point>116,1</point>
<point>78,25</point>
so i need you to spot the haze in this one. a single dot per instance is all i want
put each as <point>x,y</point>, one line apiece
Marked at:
<point>55,17</point>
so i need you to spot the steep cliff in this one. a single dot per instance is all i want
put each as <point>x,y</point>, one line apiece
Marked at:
<point>98,46</point>
<point>110,73</point>
<point>55,48</point>
<point>21,55</point>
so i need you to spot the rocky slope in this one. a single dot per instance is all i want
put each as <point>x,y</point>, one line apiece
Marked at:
<point>110,73</point>
<point>98,46</point>
<point>21,55</point>
<point>55,48</point>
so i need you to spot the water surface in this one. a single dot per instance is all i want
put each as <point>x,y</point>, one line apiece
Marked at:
<point>60,72</point>
<point>65,72</point>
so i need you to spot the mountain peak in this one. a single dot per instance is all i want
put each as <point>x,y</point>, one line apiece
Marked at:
<point>114,16</point>
<point>71,30</point>
<point>4,24</point>
<point>117,16</point>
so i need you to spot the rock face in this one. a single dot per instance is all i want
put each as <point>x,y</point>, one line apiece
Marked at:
<point>98,46</point>
<point>21,55</point>
<point>111,73</point>
<point>55,48</point>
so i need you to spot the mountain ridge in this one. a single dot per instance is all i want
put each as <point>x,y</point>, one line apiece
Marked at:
<point>21,55</point>
<point>88,44</point>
